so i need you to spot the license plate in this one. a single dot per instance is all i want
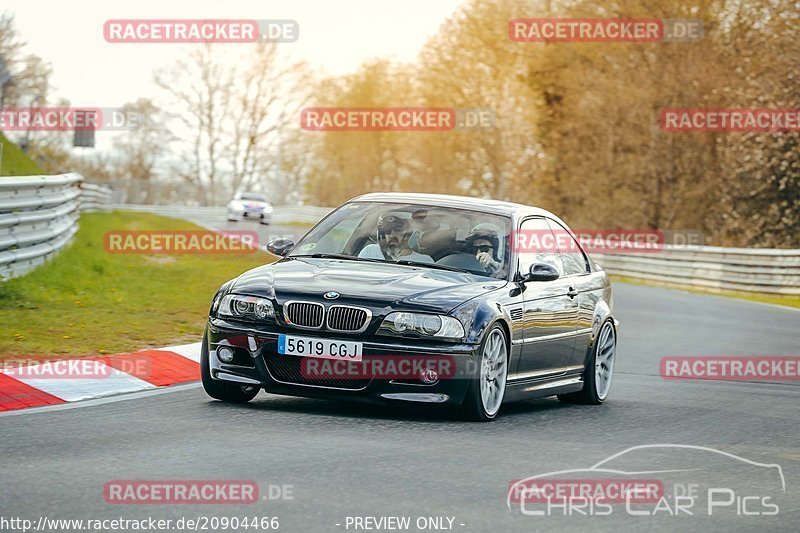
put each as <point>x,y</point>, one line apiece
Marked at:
<point>322,348</point>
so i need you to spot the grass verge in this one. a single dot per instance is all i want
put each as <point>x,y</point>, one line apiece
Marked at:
<point>786,301</point>
<point>87,302</point>
<point>14,162</point>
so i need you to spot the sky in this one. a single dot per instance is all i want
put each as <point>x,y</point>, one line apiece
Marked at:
<point>335,37</point>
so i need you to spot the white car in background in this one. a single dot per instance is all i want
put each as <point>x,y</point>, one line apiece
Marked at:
<point>250,205</point>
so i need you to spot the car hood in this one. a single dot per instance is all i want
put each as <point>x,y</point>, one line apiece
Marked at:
<point>373,285</point>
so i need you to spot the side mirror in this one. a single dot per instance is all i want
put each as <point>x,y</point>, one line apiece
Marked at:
<point>280,247</point>
<point>540,272</point>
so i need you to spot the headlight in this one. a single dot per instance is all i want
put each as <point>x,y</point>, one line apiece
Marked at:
<point>246,306</point>
<point>419,325</point>
<point>268,209</point>
<point>236,205</point>
<point>217,298</point>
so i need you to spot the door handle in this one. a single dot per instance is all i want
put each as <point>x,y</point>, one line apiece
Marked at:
<point>572,293</point>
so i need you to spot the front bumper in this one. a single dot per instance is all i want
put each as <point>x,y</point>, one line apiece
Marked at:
<point>257,363</point>
<point>239,214</point>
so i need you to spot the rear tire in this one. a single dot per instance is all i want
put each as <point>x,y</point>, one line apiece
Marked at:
<point>221,390</point>
<point>599,370</point>
<point>486,389</point>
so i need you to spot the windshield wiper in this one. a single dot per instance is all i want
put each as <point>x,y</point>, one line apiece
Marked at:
<point>406,262</point>
<point>341,256</point>
<point>431,265</point>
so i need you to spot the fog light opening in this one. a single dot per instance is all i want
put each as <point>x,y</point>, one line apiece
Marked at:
<point>225,354</point>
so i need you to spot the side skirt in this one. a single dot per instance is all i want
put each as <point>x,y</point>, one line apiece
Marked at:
<point>526,390</point>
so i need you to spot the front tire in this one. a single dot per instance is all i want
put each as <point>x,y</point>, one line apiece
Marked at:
<point>221,390</point>
<point>487,388</point>
<point>599,371</point>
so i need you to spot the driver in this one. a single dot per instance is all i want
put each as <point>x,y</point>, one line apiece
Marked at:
<point>482,242</point>
<point>392,234</point>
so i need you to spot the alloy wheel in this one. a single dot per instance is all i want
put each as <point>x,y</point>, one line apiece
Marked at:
<point>604,360</point>
<point>494,370</point>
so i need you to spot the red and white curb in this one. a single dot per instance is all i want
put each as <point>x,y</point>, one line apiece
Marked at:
<point>34,385</point>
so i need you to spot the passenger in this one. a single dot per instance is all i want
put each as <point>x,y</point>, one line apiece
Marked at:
<point>483,242</point>
<point>393,234</point>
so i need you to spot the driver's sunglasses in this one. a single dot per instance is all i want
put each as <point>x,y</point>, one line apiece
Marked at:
<point>484,248</point>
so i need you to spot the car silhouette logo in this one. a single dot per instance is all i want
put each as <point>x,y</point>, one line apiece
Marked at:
<point>331,295</point>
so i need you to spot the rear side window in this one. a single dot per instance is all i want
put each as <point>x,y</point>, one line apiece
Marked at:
<point>574,260</point>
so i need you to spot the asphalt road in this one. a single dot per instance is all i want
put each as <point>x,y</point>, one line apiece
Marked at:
<point>266,232</point>
<point>361,461</point>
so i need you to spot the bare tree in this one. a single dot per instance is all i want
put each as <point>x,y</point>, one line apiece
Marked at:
<point>140,152</point>
<point>226,116</point>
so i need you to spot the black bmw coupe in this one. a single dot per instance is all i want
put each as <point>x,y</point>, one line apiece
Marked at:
<point>418,298</point>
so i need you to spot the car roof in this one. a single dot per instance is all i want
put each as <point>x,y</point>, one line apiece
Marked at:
<point>486,205</point>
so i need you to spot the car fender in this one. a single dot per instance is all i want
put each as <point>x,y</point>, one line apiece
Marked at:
<point>603,311</point>
<point>478,316</point>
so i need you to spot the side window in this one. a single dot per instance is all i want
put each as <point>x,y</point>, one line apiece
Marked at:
<point>575,261</point>
<point>535,243</point>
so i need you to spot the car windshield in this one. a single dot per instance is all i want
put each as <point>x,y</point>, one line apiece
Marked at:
<point>412,234</point>
<point>253,197</point>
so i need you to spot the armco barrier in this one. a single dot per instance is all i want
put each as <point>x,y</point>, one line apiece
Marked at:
<point>95,197</point>
<point>712,268</point>
<point>39,216</point>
